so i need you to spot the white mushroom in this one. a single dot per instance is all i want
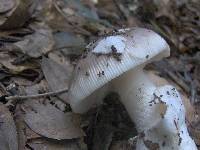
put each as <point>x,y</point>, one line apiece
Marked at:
<point>115,63</point>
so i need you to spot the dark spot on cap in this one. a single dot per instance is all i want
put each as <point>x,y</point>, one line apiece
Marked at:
<point>101,73</point>
<point>180,139</point>
<point>151,145</point>
<point>175,123</point>
<point>87,73</point>
<point>162,115</point>
<point>113,48</point>
<point>168,93</point>
<point>182,132</point>
<point>163,143</point>
<point>173,89</point>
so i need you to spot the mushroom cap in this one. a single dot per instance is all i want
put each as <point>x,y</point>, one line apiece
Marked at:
<point>111,56</point>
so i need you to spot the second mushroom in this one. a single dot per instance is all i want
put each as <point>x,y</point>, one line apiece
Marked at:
<point>115,63</point>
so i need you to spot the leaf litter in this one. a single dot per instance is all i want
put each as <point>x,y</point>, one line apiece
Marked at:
<point>38,43</point>
<point>50,122</point>
<point>8,133</point>
<point>59,77</point>
<point>41,41</point>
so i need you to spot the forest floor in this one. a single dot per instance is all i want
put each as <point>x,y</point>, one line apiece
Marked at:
<point>41,42</point>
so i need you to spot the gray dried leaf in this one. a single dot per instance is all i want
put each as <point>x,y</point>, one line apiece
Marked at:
<point>50,122</point>
<point>36,88</point>
<point>38,43</point>
<point>6,60</point>
<point>8,134</point>
<point>20,125</point>
<point>3,73</point>
<point>17,17</point>
<point>42,144</point>
<point>57,76</point>
<point>74,16</point>
<point>4,144</point>
<point>69,43</point>
<point>6,5</point>
<point>81,9</point>
<point>30,134</point>
<point>102,138</point>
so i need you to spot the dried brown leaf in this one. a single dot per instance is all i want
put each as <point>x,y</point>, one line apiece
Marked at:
<point>57,76</point>
<point>38,43</point>
<point>102,138</point>
<point>42,144</point>
<point>50,122</point>
<point>69,43</point>
<point>19,15</point>
<point>7,59</point>
<point>30,134</point>
<point>8,134</point>
<point>20,125</point>
<point>6,5</point>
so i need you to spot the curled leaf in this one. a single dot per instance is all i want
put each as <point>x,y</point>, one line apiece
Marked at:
<point>48,121</point>
<point>38,43</point>
<point>17,17</point>
<point>8,134</point>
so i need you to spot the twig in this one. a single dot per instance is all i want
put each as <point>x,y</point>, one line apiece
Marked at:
<point>178,81</point>
<point>3,89</point>
<point>9,98</point>
<point>195,59</point>
<point>83,31</point>
<point>193,92</point>
<point>121,9</point>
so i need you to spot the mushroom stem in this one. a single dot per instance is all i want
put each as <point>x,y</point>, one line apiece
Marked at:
<point>136,91</point>
<point>157,112</point>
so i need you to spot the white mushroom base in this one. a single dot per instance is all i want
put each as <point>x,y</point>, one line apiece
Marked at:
<point>158,112</point>
<point>170,133</point>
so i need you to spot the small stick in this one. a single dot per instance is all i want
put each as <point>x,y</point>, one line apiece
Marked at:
<point>121,10</point>
<point>37,95</point>
<point>178,81</point>
<point>83,31</point>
